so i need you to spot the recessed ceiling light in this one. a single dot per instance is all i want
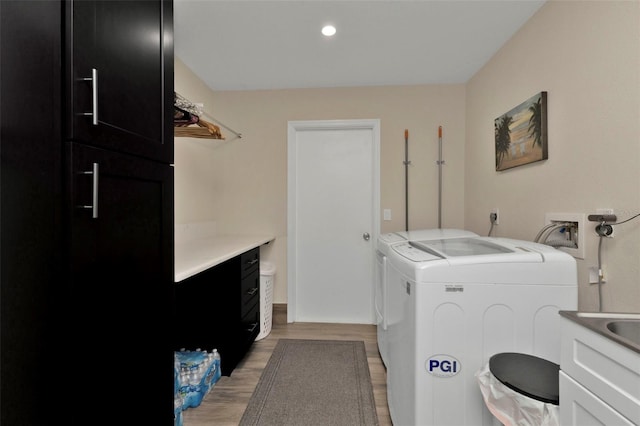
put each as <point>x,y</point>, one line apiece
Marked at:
<point>328,30</point>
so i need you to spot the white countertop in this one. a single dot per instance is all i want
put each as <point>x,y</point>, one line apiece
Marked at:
<point>196,254</point>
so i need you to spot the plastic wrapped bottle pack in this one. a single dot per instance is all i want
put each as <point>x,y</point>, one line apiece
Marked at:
<point>199,371</point>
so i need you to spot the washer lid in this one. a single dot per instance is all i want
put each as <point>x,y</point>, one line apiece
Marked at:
<point>455,247</point>
<point>435,234</point>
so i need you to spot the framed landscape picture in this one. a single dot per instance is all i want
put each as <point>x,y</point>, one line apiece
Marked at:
<point>521,133</point>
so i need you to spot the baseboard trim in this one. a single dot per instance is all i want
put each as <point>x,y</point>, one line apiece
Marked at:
<point>279,313</point>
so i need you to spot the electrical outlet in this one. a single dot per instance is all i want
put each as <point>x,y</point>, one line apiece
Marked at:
<point>593,275</point>
<point>494,216</point>
<point>572,236</point>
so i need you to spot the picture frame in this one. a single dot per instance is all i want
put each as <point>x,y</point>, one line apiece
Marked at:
<point>521,134</point>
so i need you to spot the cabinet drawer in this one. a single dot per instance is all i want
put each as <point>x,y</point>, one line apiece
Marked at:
<point>249,261</point>
<point>250,324</point>
<point>250,292</point>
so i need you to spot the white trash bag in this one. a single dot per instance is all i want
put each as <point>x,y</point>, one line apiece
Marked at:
<point>512,408</point>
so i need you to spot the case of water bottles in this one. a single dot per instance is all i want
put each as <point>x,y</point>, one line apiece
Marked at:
<point>196,373</point>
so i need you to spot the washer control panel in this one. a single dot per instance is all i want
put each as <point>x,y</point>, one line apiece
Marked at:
<point>414,254</point>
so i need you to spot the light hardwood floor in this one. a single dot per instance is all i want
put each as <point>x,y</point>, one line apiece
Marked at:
<point>226,403</point>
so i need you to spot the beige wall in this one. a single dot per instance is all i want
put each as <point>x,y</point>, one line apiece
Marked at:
<point>248,188</point>
<point>198,176</point>
<point>586,55</point>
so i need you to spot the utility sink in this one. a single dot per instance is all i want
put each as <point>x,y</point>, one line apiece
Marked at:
<point>627,329</point>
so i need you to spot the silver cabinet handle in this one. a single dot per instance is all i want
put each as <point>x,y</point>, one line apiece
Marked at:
<point>94,196</point>
<point>252,262</point>
<point>252,291</point>
<point>366,236</point>
<point>94,96</point>
<point>94,93</point>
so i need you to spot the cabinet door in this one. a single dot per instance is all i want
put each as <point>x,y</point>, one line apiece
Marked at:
<point>120,75</point>
<point>580,407</point>
<point>120,289</point>
<point>30,220</point>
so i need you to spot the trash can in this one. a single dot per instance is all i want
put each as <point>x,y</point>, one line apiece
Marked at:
<point>267,272</point>
<point>518,388</point>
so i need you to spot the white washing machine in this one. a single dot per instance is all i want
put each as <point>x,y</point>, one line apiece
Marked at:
<point>384,244</point>
<point>452,303</point>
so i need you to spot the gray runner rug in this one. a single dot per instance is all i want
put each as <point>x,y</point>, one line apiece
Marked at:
<point>314,382</point>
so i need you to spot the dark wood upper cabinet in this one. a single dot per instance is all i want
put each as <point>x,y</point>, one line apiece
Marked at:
<point>118,55</point>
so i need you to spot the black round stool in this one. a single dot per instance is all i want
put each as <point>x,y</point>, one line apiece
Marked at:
<point>528,375</point>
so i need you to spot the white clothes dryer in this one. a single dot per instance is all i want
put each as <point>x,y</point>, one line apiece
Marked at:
<point>384,244</point>
<point>452,304</point>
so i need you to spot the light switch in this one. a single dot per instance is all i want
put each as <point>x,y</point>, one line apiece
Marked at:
<point>387,214</point>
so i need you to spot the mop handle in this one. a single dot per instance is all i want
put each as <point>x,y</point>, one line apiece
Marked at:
<point>406,179</point>
<point>440,163</point>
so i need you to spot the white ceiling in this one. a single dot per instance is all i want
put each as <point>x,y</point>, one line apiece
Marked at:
<point>276,44</point>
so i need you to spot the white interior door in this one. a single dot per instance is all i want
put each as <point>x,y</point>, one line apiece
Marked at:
<point>333,220</point>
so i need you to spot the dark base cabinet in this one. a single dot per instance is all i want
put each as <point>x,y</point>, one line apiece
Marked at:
<point>220,308</point>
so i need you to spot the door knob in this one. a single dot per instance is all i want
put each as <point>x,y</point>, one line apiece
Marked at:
<point>366,236</point>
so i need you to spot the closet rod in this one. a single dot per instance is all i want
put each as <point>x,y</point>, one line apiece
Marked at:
<point>236,134</point>
<point>193,108</point>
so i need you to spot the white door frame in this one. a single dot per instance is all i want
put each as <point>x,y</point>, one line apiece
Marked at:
<point>293,128</point>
